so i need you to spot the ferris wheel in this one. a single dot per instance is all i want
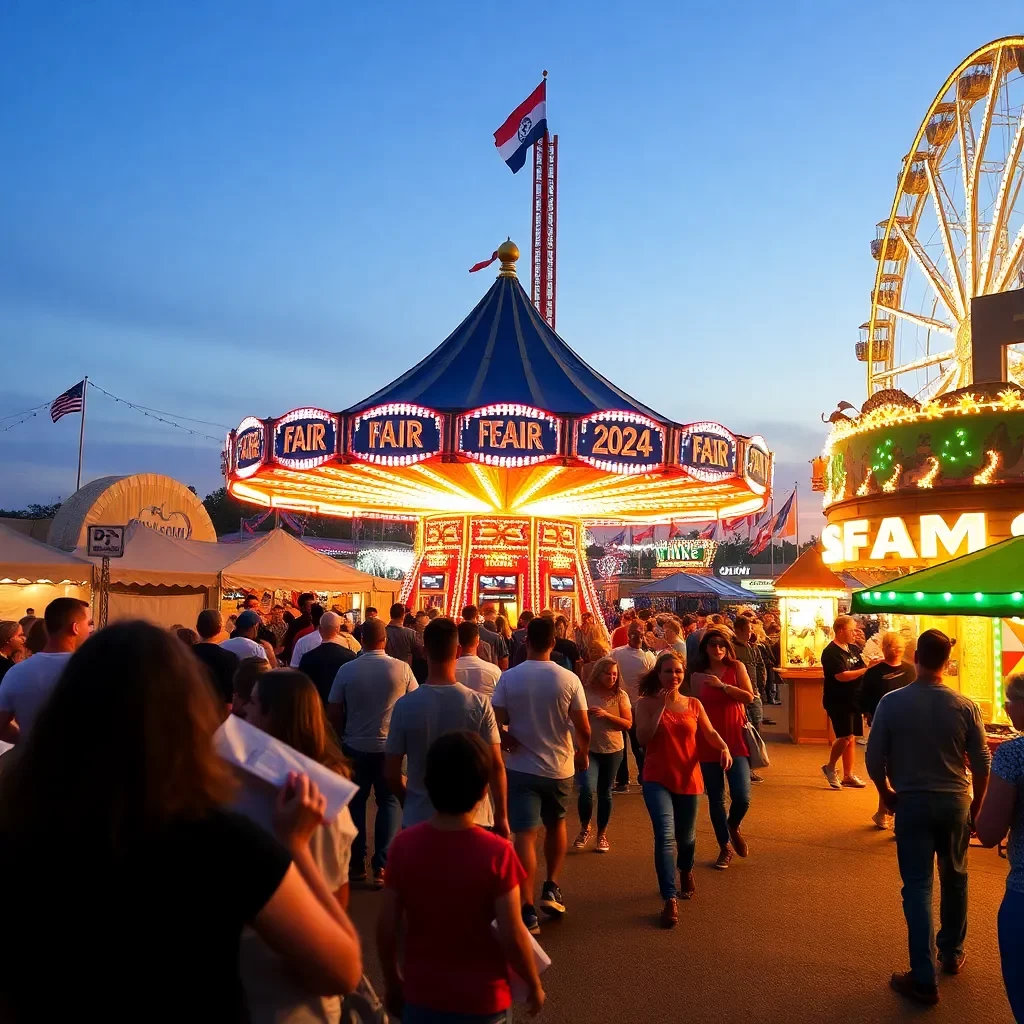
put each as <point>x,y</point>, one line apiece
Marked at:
<point>955,229</point>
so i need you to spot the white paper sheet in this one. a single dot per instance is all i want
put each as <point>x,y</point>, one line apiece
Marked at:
<point>542,962</point>
<point>259,754</point>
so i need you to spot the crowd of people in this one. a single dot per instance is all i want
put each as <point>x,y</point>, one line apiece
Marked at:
<point>473,738</point>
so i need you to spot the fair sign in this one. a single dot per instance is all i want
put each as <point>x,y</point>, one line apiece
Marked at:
<point>896,539</point>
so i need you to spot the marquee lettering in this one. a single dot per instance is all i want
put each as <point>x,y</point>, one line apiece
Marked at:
<point>523,436</point>
<point>847,542</point>
<point>250,446</point>
<point>308,438</point>
<point>392,433</point>
<point>757,464</point>
<point>713,451</point>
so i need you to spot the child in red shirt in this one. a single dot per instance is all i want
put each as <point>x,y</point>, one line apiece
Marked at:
<point>446,880</point>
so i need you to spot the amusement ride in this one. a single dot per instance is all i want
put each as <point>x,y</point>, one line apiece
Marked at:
<point>502,445</point>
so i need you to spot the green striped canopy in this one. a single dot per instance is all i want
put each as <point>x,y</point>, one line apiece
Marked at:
<point>989,582</point>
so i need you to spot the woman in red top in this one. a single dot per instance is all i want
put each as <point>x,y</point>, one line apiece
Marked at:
<point>720,682</point>
<point>668,726</point>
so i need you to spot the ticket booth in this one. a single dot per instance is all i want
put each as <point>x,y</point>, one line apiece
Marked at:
<point>503,590</point>
<point>562,596</point>
<point>432,590</point>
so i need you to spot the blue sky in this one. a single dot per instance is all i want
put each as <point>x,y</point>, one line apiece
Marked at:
<point>241,207</point>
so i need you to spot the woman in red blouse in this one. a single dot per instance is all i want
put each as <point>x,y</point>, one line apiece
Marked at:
<point>720,682</point>
<point>668,725</point>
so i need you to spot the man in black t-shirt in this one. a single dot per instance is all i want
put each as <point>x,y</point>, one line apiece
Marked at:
<point>220,663</point>
<point>843,667</point>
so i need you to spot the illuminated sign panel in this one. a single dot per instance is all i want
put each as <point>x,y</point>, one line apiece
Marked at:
<point>396,435</point>
<point>305,438</point>
<point>707,451</point>
<point>562,583</point>
<point>432,581</point>
<point>757,465</point>
<point>250,446</point>
<point>509,435</point>
<point>855,540</point>
<point>620,442</point>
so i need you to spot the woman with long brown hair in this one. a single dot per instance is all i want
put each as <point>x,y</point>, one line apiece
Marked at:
<point>131,875</point>
<point>286,705</point>
<point>669,726</point>
<point>610,713</point>
<point>721,683</point>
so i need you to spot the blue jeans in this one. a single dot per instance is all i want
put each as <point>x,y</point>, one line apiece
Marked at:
<point>599,777</point>
<point>1011,948</point>
<point>674,817</point>
<point>369,774</point>
<point>739,795</point>
<point>930,826</point>
<point>629,738</point>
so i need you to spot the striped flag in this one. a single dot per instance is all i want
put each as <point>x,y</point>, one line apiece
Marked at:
<point>785,521</point>
<point>643,535</point>
<point>710,532</point>
<point>523,127</point>
<point>73,400</point>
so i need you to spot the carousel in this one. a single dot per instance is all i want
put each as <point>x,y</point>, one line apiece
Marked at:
<point>931,466</point>
<point>502,446</point>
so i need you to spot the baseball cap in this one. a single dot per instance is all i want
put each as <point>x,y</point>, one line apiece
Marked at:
<point>247,620</point>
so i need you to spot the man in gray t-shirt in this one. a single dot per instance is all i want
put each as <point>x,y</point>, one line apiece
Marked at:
<point>360,705</point>
<point>921,738</point>
<point>441,705</point>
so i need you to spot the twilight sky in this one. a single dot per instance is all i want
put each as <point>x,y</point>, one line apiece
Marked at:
<point>242,207</point>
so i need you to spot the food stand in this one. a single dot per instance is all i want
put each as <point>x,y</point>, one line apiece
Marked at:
<point>809,593</point>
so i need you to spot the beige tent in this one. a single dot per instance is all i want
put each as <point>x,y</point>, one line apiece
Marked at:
<point>169,580</point>
<point>32,574</point>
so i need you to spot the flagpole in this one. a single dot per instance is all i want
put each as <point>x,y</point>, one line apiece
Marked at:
<point>771,537</point>
<point>796,512</point>
<point>81,433</point>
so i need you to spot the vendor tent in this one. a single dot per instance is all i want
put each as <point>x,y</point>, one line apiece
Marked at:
<point>685,584</point>
<point>32,574</point>
<point>989,582</point>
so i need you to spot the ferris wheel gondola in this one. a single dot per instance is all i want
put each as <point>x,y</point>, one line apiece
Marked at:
<point>955,230</point>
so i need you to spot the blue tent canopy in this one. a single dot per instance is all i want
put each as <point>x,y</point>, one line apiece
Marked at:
<point>687,584</point>
<point>504,352</point>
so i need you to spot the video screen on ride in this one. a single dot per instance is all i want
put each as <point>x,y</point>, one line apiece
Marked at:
<point>501,584</point>
<point>432,581</point>
<point>562,582</point>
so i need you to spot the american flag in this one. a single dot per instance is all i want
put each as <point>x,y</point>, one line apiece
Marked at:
<point>73,400</point>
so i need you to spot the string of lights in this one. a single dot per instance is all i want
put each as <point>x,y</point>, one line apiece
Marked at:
<point>27,415</point>
<point>153,415</point>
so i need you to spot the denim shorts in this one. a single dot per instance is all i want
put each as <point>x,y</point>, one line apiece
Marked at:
<point>535,799</point>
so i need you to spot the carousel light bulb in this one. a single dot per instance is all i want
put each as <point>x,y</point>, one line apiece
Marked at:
<point>919,596</point>
<point>978,596</point>
<point>1016,595</point>
<point>947,596</point>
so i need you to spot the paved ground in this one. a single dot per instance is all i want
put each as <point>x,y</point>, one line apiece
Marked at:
<point>807,928</point>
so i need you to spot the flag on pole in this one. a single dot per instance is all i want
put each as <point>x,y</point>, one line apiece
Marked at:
<point>619,538</point>
<point>763,537</point>
<point>785,521</point>
<point>674,530</point>
<point>643,535</point>
<point>73,400</point>
<point>737,524</point>
<point>249,525</point>
<point>525,125</point>
<point>710,532</point>
<point>484,264</point>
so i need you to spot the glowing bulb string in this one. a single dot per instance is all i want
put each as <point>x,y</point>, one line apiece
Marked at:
<point>153,415</point>
<point>27,415</point>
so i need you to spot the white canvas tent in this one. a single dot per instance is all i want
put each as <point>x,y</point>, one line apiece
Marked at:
<point>169,580</point>
<point>32,574</point>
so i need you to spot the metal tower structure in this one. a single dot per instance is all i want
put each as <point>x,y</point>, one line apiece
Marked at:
<point>545,226</point>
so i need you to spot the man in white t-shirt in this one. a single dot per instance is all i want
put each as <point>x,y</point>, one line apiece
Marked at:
<point>537,705</point>
<point>27,686</point>
<point>243,641</point>
<point>307,643</point>
<point>633,663</point>
<point>470,669</point>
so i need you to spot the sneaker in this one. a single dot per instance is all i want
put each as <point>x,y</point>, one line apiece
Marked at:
<point>670,914</point>
<point>620,787</point>
<point>754,777</point>
<point>689,887</point>
<point>909,987</point>
<point>832,775</point>
<point>861,741</point>
<point>378,878</point>
<point>739,844</point>
<point>357,876</point>
<point>853,782</point>
<point>881,820</point>
<point>551,900</point>
<point>952,962</point>
<point>724,858</point>
<point>602,844</point>
<point>580,842</point>
<point>530,919</point>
